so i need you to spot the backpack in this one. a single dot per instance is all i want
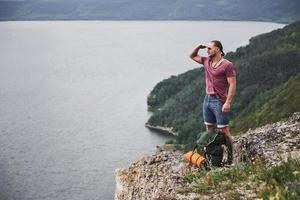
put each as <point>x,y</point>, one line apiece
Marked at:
<point>209,145</point>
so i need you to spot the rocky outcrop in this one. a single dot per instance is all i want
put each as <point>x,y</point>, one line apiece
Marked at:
<point>161,175</point>
<point>272,142</point>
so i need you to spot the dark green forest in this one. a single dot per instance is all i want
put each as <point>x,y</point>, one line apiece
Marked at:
<point>267,87</point>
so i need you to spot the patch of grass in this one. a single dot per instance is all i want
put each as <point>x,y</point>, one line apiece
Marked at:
<point>226,179</point>
<point>282,181</point>
<point>276,182</point>
<point>191,177</point>
<point>218,179</point>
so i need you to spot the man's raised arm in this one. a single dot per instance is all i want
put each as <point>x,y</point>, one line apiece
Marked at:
<point>194,54</point>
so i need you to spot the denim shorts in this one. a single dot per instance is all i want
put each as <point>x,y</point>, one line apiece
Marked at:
<point>212,112</point>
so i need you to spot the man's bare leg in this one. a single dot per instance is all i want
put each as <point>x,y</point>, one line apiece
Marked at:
<point>229,142</point>
<point>226,131</point>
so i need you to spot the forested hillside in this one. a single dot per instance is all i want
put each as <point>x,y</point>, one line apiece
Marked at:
<point>270,106</point>
<point>263,67</point>
<point>286,11</point>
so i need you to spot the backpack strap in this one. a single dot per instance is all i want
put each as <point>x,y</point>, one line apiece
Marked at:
<point>195,147</point>
<point>205,138</point>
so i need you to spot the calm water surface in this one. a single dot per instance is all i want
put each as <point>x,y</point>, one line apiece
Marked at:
<point>73,98</point>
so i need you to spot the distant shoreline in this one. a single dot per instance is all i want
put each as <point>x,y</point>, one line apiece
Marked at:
<point>141,20</point>
<point>161,129</point>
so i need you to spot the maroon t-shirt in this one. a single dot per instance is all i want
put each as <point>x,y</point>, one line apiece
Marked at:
<point>216,78</point>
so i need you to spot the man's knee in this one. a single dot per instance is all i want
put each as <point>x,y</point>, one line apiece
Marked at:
<point>210,127</point>
<point>224,130</point>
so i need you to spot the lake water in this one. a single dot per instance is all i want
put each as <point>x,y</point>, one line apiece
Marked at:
<point>73,98</point>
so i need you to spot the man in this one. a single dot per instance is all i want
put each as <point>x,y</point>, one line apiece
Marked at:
<point>220,78</point>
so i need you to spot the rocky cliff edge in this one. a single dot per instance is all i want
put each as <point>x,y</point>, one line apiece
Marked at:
<point>161,175</point>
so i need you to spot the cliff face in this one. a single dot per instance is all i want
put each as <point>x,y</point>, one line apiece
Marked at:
<point>161,176</point>
<point>153,177</point>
